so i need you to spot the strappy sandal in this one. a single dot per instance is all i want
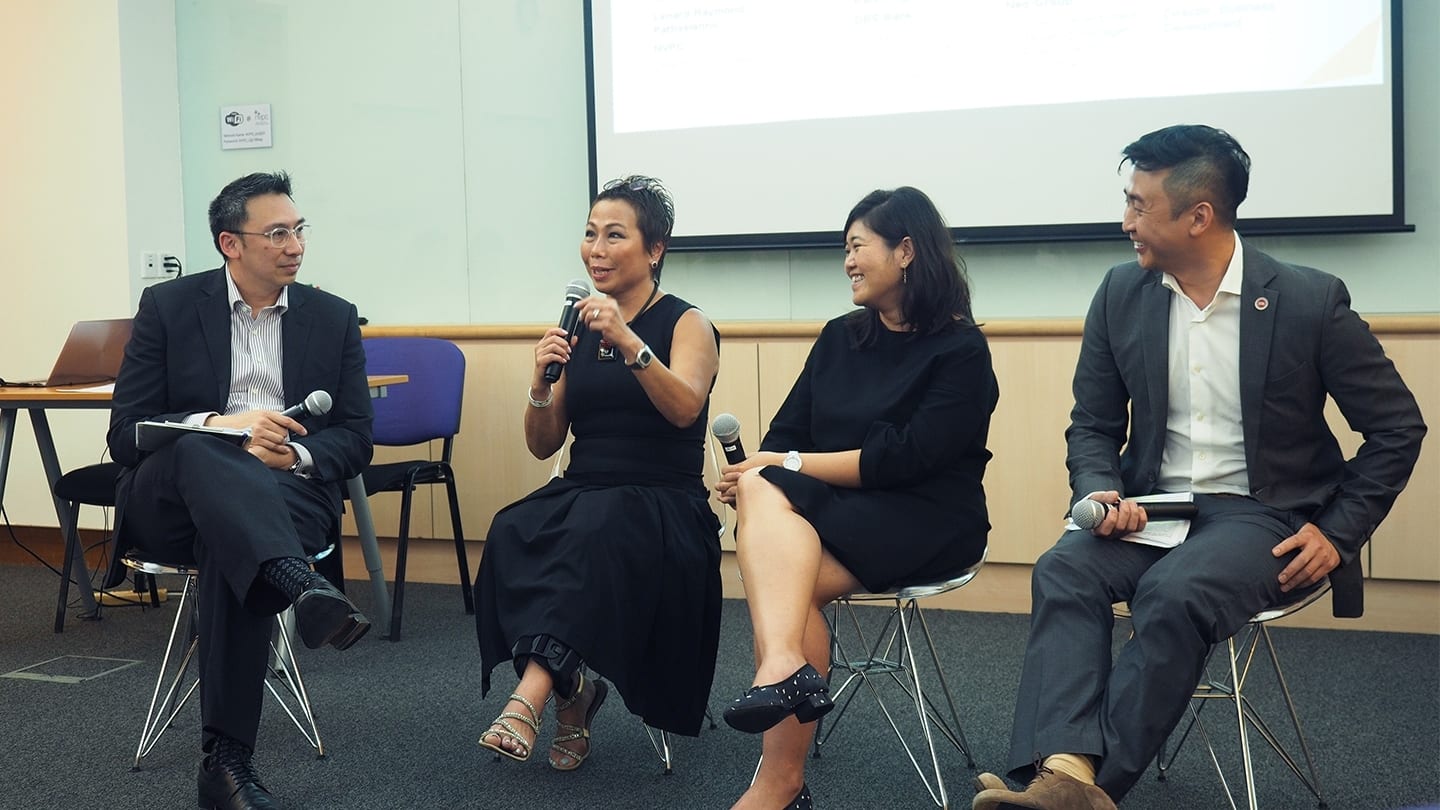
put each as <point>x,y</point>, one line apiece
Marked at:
<point>568,733</point>
<point>503,730</point>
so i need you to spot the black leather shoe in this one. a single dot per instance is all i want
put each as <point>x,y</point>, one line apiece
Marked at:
<point>804,694</point>
<point>228,781</point>
<point>324,616</point>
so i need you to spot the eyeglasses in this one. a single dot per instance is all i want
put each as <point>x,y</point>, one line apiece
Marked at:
<point>280,237</point>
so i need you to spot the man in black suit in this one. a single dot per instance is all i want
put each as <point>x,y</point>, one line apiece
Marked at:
<point>230,348</point>
<point>1219,360</point>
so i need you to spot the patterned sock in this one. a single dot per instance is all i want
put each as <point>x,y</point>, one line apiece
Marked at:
<point>1078,766</point>
<point>289,575</point>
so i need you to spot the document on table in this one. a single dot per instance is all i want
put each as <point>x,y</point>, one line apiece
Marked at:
<point>1159,533</point>
<point>151,436</point>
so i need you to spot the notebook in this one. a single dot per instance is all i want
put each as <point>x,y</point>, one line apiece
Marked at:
<point>91,354</point>
<point>151,436</point>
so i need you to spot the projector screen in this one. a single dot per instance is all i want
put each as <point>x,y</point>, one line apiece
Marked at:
<point>769,119</point>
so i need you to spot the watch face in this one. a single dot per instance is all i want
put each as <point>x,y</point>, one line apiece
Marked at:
<point>643,357</point>
<point>792,461</point>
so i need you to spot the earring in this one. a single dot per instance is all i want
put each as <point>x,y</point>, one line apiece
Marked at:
<point>904,275</point>
<point>654,265</point>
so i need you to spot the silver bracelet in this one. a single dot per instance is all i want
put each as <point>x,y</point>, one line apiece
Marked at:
<point>535,403</point>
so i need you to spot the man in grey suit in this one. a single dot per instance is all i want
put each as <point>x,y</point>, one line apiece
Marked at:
<point>231,348</point>
<point>1218,359</point>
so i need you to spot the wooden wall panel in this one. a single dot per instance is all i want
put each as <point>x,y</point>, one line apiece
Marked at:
<point>1026,481</point>
<point>1026,484</point>
<point>1407,544</point>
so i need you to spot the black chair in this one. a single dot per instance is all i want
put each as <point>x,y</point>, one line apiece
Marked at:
<point>91,485</point>
<point>422,410</point>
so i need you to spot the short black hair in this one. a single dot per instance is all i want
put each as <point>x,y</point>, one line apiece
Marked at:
<point>1206,165</point>
<point>227,210</point>
<point>654,210</point>
<point>937,294</point>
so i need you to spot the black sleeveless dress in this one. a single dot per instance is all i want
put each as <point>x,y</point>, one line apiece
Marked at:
<point>620,559</point>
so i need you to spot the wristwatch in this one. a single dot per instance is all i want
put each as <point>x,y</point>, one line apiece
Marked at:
<point>792,461</point>
<point>642,358</point>
<point>295,468</point>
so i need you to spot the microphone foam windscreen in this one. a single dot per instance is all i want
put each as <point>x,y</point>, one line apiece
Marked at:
<point>725,427</point>
<point>577,289</point>
<point>318,402</point>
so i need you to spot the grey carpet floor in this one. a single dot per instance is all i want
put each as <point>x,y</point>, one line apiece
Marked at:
<point>400,722</point>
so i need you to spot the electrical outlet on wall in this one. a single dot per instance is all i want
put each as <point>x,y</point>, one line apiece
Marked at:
<point>150,264</point>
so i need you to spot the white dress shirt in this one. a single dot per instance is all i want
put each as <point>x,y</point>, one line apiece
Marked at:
<point>1204,440</point>
<point>257,355</point>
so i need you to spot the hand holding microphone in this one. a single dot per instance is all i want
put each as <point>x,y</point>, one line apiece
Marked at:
<point>270,430</point>
<point>726,430</point>
<point>575,292</point>
<point>316,404</point>
<point>1088,513</point>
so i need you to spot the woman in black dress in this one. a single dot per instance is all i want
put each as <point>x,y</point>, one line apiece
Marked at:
<point>870,476</point>
<point>615,566</point>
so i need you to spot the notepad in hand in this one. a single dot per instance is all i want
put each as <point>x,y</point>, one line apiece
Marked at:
<point>151,436</point>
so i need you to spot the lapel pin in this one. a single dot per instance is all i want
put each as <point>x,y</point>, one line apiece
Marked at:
<point>1262,303</point>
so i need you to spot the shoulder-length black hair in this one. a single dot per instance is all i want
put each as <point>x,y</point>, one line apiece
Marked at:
<point>937,294</point>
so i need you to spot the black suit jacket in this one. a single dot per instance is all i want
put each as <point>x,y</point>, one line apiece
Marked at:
<point>178,363</point>
<point>1301,344</point>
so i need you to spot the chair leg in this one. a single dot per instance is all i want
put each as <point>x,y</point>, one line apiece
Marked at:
<point>1311,780</point>
<point>858,669</point>
<point>162,711</point>
<point>1240,719</point>
<point>957,734</point>
<point>882,658</point>
<point>461,558</point>
<point>922,710</point>
<point>287,670</point>
<point>1241,651</point>
<point>660,741</point>
<point>402,546</point>
<point>72,547</point>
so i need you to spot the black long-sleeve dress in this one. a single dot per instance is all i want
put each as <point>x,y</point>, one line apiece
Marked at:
<point>619,560</point>
<point>918,408</point>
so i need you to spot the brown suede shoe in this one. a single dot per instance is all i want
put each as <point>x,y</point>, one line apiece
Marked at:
<point>989,781</point>
<point>1047,791</point>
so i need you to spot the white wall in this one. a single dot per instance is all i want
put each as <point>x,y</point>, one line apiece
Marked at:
<point>63,214</point>
<point>443,157</point>
<point>150,94</point>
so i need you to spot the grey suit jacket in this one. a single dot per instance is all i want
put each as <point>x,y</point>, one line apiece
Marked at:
<point>1299,342</point>
<point>178,363</point>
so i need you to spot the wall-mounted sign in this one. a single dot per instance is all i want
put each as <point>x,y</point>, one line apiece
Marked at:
<point>245,126</point>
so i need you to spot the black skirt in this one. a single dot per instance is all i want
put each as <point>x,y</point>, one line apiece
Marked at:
<point>627,576</point>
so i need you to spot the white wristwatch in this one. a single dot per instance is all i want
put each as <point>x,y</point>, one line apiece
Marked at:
<point>792,461</point>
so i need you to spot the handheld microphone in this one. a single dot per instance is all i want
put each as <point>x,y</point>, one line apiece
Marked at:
<point>569,316</point>
<point>317,403</point>
<point>726,430</point>
<point>1088,513</point>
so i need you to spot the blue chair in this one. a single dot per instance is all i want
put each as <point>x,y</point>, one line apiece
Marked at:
<point>424,409</point>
